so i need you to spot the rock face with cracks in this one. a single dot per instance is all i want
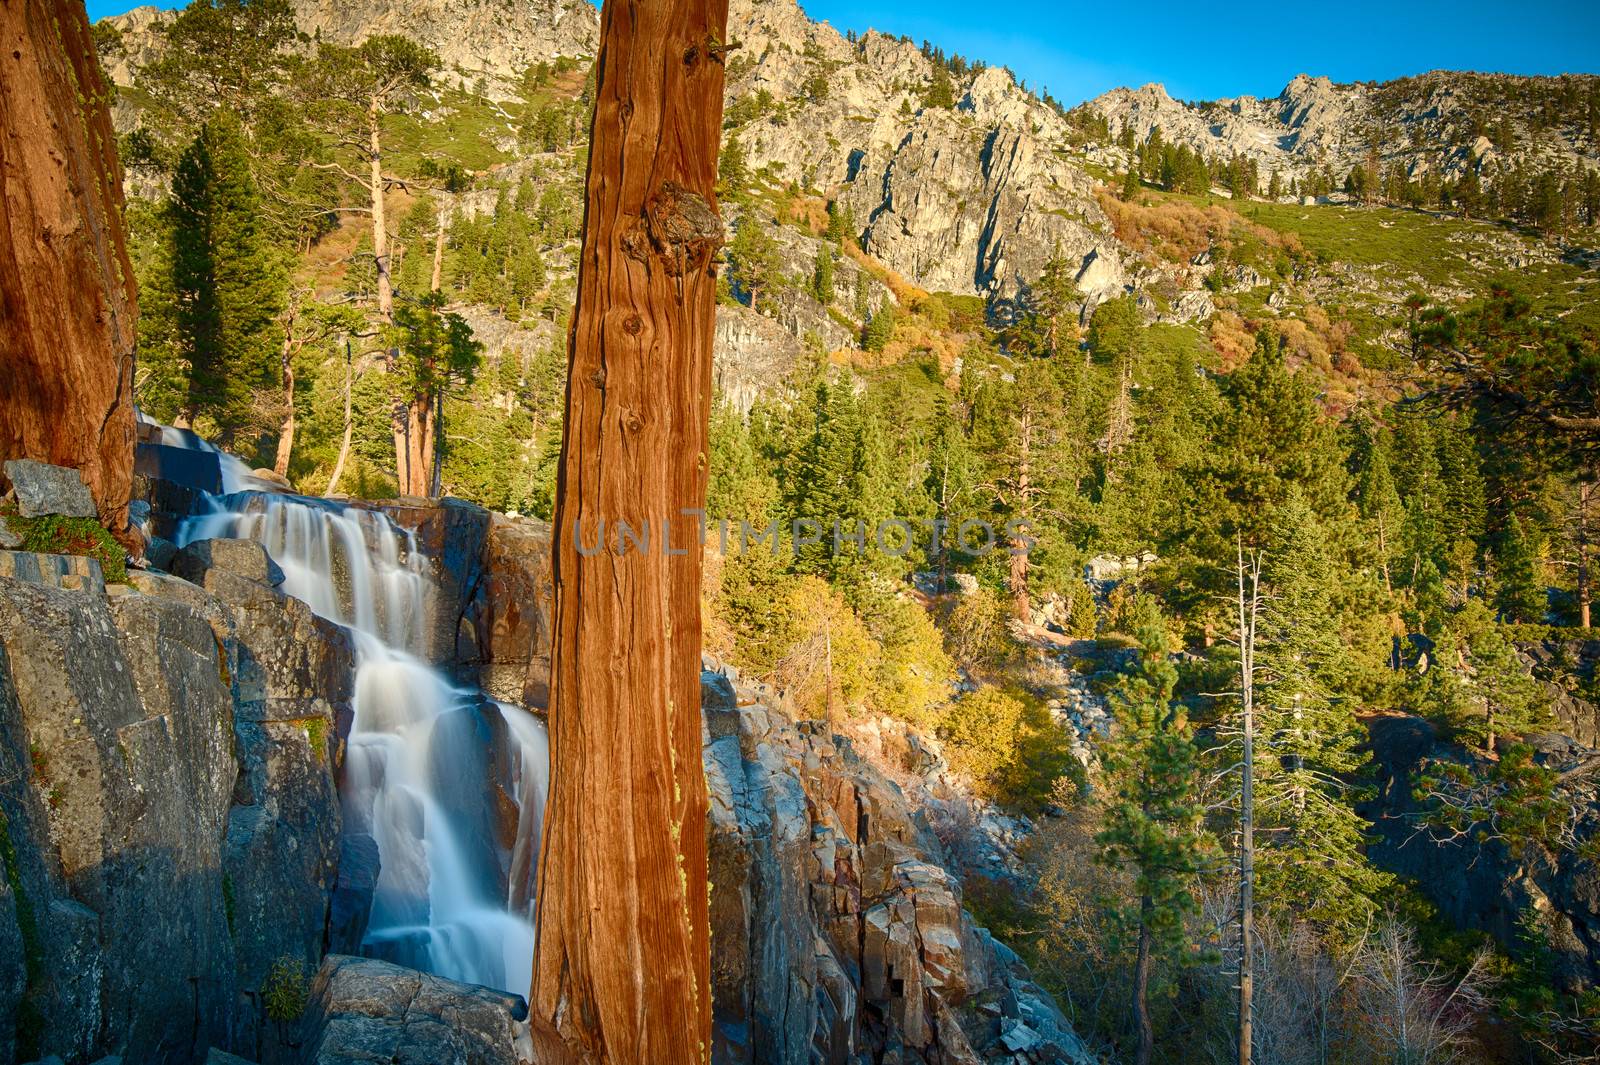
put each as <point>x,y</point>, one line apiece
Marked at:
<point>167,807</point>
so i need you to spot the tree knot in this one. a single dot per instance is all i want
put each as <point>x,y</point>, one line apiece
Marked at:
<point>680,227</point>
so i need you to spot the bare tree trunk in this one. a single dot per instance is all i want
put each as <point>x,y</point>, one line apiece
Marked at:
<point>438,252</point>
<point>67,297</point>
<point>1144,1049</point>
<point>405,483</point>
<point>1019,557</point>
<point>291,344</point>
<point>1585,594</point>
<point>280,463</point>
<point>1248,610</point>
<point>349,425</point>
<point>1383,553</point>
<point>623,971</point>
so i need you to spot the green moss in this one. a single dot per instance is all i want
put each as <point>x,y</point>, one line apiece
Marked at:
<point>316,730</point>
<point>53,534</point>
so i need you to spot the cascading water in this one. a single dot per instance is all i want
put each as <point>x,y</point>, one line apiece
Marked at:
<point>425,757</point>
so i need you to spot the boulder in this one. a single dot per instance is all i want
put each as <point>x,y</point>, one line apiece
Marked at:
<point>362,1010</point>
<point>243,558</point>
<point>42,489</point>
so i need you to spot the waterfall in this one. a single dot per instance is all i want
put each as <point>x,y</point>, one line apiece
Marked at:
<point>454,894</point>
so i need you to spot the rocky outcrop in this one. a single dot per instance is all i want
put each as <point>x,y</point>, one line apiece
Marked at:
<point>170,821</point>
<point>1488,885</point>
<point>1567,668</point>
<point>837,927</point>
<point>66,283</point>
<point>43,489</point>
<point>362,1010</point>
<point>471,37</point>
<point>1431,122</point>
<point>972,199</point>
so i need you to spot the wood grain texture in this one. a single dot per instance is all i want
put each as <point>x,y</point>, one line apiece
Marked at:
<point>68,303</point>
<point>622,973</point>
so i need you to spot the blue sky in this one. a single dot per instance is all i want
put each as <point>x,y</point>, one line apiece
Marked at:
<point>1205,51</point>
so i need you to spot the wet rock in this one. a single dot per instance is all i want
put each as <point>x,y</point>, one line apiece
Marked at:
<point>351,904</point>
<point>362,1010</point>
<point>190,468</point>
<point>222,1057</point>
<point>43,489</point>
<point>242,558</point>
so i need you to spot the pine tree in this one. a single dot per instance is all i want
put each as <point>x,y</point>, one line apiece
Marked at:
<point>1476,684</point>
<point>227,279</point>
<point>1377,498</point>
<point>1152,818</point>
<point>822,276</point>
<point>1521,593</point>
<point>1046,327</point>
<point>1268,438</point>
<point>941,91</point>
<point>1311,859</point>
<point>754,268</point>
<point>841,224</point>
<point>436,352</point>
<point>733,171</point>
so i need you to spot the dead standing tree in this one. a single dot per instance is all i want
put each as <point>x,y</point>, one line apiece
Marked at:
<point>622,973</point>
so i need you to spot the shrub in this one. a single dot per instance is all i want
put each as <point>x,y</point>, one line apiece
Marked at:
<point>983,733</point>
<point>283,992</point>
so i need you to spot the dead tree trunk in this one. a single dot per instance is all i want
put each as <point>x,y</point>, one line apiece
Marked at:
<point>623,975</point>
<point>1249,609</point>
<point>1019,555</point>
<point>1585,594</point>
<point>349,425</point>
<point>68,303</point>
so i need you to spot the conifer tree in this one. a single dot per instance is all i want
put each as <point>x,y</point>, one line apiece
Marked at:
<point>733,169</point>
<point>227,279</point>
<point>822,276</point>
<point>1476,683</point>
<point>1521,593</point>
<point>1311,859</point>
<point>1152,819</point>
<point>754,268</point>
<point>1268,438</point>
<point>1046,327</point>
<point>1377,498</point>
<point>437,351</point>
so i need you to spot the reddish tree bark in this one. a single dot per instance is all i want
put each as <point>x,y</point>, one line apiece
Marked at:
<point>622,975</point>
<point>68,303</point>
